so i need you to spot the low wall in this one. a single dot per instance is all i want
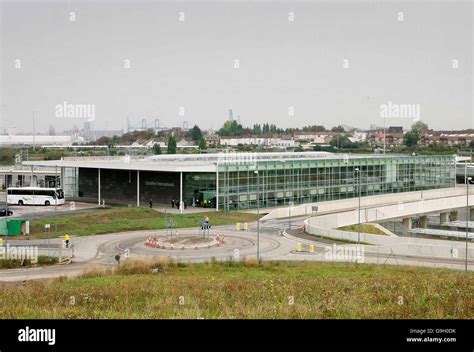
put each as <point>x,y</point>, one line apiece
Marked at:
<point>399,210</point>
<point>402,246</point>
<point>366,202</point>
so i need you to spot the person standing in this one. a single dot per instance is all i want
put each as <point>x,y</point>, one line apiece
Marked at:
<point>151,203</point>
<point>172,203</point>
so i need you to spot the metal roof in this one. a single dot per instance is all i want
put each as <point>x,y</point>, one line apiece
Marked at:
<point>192,162</point>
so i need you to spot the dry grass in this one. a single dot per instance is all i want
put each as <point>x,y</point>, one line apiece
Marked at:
<point>144,265</point>
<point>246,290</point>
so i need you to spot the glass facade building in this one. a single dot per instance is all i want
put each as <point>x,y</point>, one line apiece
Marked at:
<point>287,182</point>
<point>233,181</point>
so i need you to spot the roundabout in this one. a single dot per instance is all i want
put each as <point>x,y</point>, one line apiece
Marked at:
<point>185,242</point>
<point>189,246</point>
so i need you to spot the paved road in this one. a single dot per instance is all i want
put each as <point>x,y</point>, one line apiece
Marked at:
<point>100,250</point>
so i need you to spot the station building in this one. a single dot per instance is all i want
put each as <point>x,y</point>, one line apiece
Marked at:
<point>234,181</point>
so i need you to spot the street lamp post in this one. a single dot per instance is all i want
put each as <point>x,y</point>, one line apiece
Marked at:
<point>258,215</point>
<point>358,228</point>
<point>56,201</point>
<point>468,179</point>
<point>34,131</point>
<point>290,205</point>
<point>6,203</point>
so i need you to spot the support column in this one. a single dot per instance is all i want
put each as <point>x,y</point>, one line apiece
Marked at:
<point>454,215</point>
<point>98,184</point>
<point>471,214</point>
<point>138,188</point>
<point>406,225</point>
<point>424,221</point>
<point>61,178</point>
<point>217,186</point>
<point>181,192</point>
<point>443,217</point>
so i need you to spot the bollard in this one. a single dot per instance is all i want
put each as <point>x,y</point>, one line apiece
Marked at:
<point>246,226</point>
<point>298,247</point>
<point>311,248</point>
<point>237,226</point>
<point>1,242</point>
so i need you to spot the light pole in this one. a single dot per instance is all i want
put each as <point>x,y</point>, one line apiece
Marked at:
<point>468,179</point>
<point>258,215</point>
<point>358,228</point>
<point>290,205</point>
<point>56,201</point>
<point>34,131</point>
<point>6,202</point>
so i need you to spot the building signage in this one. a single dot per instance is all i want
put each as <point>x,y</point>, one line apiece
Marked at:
<point>160,184</point>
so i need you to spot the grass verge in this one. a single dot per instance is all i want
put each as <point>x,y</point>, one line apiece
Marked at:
<point>19,263</point>
<point>100,221</point>
<point>159,288</point>
<point>342,240</point>
<point>363,228</point>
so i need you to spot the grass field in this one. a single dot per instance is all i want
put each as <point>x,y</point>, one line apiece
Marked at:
<point>234,290</point>
<point>99,221</point>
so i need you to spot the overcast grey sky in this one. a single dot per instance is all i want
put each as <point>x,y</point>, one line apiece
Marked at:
<point>190,63</point>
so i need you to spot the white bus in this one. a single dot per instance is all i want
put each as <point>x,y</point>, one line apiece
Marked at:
<point>35,196</point>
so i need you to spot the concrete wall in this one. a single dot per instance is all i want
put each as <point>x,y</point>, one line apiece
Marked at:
<point>403,246</point>
<point>367,202</point>
<point>380,213</point>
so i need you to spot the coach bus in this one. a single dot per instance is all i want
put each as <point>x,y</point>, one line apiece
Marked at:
<point>35,196</point>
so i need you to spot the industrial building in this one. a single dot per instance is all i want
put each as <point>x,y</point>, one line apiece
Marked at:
<point>234,181</point>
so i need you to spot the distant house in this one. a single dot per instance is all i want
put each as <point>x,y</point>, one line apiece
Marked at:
<point>263,142</point>
<point>186,144</point>
<point>212,140</point>
<point>315,138</point>
<point>392,135</point>
<point>448,138</point>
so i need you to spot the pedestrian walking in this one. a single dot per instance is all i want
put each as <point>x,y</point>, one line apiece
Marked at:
<point>172,203</point>
<point>66,239</point>
<point>151,203</point>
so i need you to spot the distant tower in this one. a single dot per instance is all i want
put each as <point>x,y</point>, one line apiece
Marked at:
<point>231,115</point>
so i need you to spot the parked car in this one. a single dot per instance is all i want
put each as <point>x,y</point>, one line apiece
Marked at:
<point>3,212</point>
